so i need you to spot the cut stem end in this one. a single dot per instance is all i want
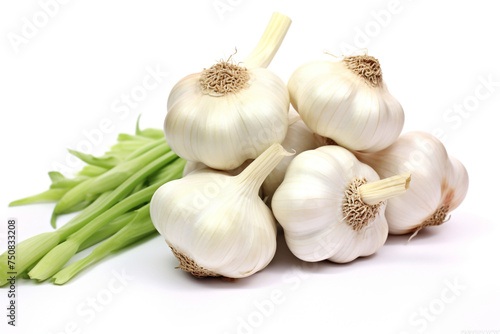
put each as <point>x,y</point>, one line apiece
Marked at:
<point>376,192</point>
<point>357,214</point>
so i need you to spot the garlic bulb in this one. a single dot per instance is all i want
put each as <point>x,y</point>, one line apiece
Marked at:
<point>439,182</point>
<point>215,223</point>
<point>299,138</point>
<point>348,102</point>
<point>229,113</point>
<point>331,206</point>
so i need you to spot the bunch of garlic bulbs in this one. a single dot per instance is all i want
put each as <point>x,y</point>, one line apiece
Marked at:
<point>348,102</point>
<point>336,174</point>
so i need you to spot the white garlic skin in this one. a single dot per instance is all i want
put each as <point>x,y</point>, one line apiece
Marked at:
<point>203,220</point>
<point>308,205</point>
<point>337,103</point>
<point>194,166</point>
<point>224,131</point>
<point>191,166</point>
<point>216,223</point>
<point>437,179</point>
<point>299,138</point>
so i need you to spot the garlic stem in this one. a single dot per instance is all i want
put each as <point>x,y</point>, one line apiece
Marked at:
<point>378,191</point>
<point>270,42</point>
<point>255,174</point>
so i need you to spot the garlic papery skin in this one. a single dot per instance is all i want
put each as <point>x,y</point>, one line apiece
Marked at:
<point>194,166</point>
<point>347,101</point>
<point>299,138</point>
<point>215,223</point>
<point>321,209</point>
<point>230,112</point>
<point>439,182</point>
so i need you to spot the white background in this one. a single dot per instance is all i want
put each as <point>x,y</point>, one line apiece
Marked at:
<point>69,75</point>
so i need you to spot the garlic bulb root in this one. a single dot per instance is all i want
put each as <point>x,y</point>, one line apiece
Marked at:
<point>224,78</point>
<point>189,265</point>
<point>363,200</point>
<point>440,216</point>
<point>358,213</point>
<point>367,67</point>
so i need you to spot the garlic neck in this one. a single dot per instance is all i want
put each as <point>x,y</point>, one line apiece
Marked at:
<point>270,42</point>
<point>357,214</point>
<point>366,67</point>
<point>376,192</point>
<point>254,175</point>
<point>362,200</point>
